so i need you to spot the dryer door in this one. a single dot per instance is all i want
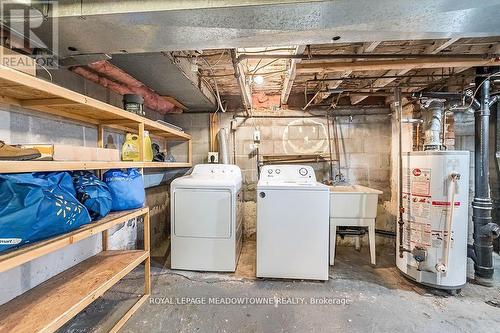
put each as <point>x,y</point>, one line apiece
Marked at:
<point>202,213</point>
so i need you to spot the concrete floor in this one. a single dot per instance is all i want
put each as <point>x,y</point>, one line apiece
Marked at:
<point>366,299</point>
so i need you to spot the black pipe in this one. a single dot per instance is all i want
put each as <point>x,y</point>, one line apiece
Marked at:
<point>358,78</point>
<point>386,233</point>
<point>438,94</point>
<point>243,57</point>
<point>484,228</point>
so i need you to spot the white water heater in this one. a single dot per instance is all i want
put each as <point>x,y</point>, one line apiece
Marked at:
<point>435,198</point>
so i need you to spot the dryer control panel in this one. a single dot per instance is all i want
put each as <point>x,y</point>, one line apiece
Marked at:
<point>288,173</point>
<point>216,169</point>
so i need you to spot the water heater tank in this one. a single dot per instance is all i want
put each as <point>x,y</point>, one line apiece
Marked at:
<point>435,219</point>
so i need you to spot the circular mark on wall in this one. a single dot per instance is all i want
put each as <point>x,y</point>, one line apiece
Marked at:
<point>305,136</point>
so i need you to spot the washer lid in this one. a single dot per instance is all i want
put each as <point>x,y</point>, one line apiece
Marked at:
<point>287,185</point>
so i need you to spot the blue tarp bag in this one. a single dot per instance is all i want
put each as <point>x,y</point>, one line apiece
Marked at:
<point>93,193</point>
<point>127,188</point>
<point>36,206</point>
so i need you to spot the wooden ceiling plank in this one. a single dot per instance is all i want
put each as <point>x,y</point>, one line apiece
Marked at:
<point>434,49</point>
<point>290,75</point>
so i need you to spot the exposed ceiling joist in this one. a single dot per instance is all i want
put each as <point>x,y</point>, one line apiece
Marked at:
<point>239,73</point>
<point>367,48</point>
<point>434,49</point>
<point>290,75</point>
<point>396,64</point>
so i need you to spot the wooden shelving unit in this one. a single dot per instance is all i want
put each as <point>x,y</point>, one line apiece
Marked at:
<point>36,166</point>
<point>51,304</point>
<point>26,91</point>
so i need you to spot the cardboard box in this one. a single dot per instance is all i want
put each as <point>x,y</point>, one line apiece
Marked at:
<point>57,152</point>
<point>17,61</point>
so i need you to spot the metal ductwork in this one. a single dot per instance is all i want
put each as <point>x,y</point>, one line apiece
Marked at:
<point>433,124</point>
<point>223,146</point>
<point>155,26</point>
<point>485,230</point>
<point>168,77</point>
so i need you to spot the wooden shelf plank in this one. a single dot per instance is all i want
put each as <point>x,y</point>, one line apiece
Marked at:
<point>37,166</point>
<point>52,303</point>
<point>24,90</point>
<point>29,252</point>
<point>167,165</point>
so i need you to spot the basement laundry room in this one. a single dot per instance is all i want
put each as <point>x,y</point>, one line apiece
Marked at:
<point>249,166</point>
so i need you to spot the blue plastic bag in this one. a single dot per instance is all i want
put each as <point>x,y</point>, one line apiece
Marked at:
<point>93,193</point>
<point>36,206</point>
<point>127,188</point>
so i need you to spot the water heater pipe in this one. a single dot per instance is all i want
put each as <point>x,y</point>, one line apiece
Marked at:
<point>443,266</point>
<point>399,112</point>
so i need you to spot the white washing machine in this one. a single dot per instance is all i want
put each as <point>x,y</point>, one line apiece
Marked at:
<point>292,223</point>
<point>206,218</point>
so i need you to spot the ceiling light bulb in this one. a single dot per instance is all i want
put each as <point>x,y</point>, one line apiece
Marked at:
<point>259,79</point>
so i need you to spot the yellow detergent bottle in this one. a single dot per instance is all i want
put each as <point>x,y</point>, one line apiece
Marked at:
<point>130,149</point>
<point>148,148</point>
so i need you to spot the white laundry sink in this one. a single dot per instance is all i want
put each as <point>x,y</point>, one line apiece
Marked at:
<point>353,202</point>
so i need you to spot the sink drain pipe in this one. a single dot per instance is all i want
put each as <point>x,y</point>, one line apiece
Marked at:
<point>484,228</point>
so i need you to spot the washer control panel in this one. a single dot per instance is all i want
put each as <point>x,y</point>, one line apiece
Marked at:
<point>288,173</point>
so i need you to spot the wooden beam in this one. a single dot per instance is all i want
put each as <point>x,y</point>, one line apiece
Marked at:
<point>46,102</point>
<point>434,49</point>
<point>367,48</point>
<point>290,75</point>
<point>395,64</point>
<point>175,102</point>
<point>214,128</point>
<point>239,73</point>
<point>117,122</point>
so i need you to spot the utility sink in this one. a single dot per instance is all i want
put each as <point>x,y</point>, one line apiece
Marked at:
<point>353,202</point>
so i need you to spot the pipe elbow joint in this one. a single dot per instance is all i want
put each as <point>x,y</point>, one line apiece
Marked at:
<point>491,230</point>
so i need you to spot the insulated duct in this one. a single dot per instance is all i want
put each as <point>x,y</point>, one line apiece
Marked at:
<point>223,146</point>
<point>112,77</point>
<point>484,228</point>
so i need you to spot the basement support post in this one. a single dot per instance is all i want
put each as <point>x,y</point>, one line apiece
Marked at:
<point>484,228</point>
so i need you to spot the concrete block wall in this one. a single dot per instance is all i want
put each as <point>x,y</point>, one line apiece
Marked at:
<point>364,142</point>
<point>463,129</point>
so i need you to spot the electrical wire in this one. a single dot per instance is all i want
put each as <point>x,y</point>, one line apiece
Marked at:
<point>263,66</point>
<point>217,94</point>
<point>45,69</point>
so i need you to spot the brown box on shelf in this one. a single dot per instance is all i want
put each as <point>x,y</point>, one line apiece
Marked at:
<point>17,61</point>
<point>57,152</point>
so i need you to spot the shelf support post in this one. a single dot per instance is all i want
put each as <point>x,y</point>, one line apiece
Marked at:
<point>147,263</point>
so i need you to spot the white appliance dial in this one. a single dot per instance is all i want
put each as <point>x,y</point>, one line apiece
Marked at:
<point>303,171</point>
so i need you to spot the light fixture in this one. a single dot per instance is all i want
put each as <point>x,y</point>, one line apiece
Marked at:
<point>258,79</point>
